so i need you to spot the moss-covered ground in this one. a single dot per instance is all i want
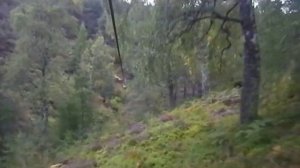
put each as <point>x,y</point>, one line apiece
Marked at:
<point>202,133</point>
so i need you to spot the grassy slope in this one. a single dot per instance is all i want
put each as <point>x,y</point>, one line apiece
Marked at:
<point>200,137</point>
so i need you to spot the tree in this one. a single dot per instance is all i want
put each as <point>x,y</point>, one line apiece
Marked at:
<point>92,11</point>
<point>218,12</point>
<point>7,36</point>
<point>164,64</point>
<point>251,74</point>
<point>278,30</point>
<point>40,40</point>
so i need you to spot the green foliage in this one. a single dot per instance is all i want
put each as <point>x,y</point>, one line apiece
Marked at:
<point>54,73</point>
<point>69,119</point>
<point>9,112</point>
<point>76,115</point>
<point>199,138</point>
<point>99,66</point>
<point>143,101</point>
<point>78,50</point>
<point>32,152</point>
<point>64,68</point>
<point>116,102</point>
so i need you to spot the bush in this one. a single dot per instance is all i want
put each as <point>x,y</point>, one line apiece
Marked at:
<point>26,151</point>
<point>74,117</point>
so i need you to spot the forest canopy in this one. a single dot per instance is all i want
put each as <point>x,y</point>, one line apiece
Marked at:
<point>117,83</point>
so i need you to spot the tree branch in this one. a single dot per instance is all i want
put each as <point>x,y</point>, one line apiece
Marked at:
<point>214,15</point>
<point>227,32</point>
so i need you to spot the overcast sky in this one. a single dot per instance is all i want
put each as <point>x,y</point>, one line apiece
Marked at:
<point>148,1</point>
<point>152,1</point>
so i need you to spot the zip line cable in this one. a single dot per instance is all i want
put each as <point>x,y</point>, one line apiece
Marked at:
<point>116,37</point>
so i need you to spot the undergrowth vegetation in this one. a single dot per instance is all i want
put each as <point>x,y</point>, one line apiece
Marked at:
<point>200,133</point>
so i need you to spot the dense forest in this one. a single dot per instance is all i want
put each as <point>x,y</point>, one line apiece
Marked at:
<point>149,84</point>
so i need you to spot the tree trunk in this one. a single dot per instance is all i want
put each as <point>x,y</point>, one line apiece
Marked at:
<point>251,74</point>
<point>194,85</point>
<point>82,114</point>
<point>203,85</point>
<point>204,78</point>
<point>172,93</point>
<point>184,89</point>
<point>45,111</point>
<point>294,88</point>
<point>44,95</point>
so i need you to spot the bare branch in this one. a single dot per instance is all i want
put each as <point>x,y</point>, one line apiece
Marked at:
<point>221,17</point>
<point>208,30</point>
<point>191,22</point>
<point>229,44</point>
<point>227,32</point>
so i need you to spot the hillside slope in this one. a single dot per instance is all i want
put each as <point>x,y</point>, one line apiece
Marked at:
<point>200,133</point>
